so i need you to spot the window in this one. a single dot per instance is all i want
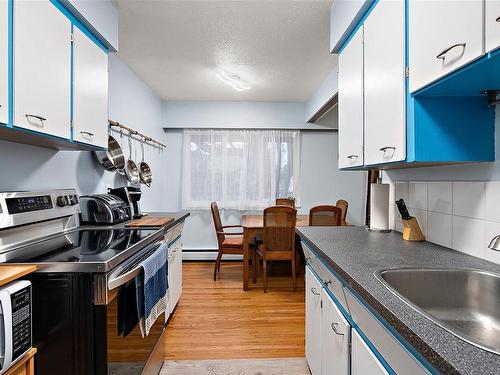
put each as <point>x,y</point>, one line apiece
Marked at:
<point>239,169</point>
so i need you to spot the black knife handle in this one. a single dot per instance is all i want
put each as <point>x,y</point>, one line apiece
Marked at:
<point>405,215</point>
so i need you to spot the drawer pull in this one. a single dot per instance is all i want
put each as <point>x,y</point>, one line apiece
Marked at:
<point>498,19</point>
<point>335,328</point>
<point>442,55</point>
<point>352,157</point>
<point>42,119</point>
<point>91,135</point>
<point>386,149</point>
<point>313,291</point>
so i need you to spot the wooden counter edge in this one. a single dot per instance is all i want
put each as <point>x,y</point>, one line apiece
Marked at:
<point>26,360</point>
<point>10,273</point>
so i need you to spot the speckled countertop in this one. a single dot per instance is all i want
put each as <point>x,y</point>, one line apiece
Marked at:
<point>355,254</point>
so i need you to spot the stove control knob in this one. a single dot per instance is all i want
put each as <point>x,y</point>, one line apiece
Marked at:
<point>73,199</point>
<point>62,201</point>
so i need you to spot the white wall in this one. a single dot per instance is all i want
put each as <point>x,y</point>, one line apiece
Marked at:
<point>132,102</point>
<point>199,114</point>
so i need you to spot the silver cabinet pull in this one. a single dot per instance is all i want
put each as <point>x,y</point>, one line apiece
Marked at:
<point>91,135</point>
<point>335,328</point>
<point>352,157</point>
<point>42,119</point>
<point>386,149</point>
<point>313,290</point>
<point>442,55</point>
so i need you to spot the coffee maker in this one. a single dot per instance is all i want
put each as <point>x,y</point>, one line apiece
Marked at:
<point>131,195</point>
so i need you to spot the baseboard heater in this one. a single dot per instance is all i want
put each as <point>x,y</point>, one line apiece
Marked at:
<point>206,254</point>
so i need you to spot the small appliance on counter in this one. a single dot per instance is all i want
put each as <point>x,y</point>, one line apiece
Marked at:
<point>105,209</point>
<point>379,207</point>
<point>131,196</point>
<point>15,322</point>
<point>411,229</point>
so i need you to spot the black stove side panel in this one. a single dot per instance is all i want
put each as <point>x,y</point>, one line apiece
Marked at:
<point>63,326</point>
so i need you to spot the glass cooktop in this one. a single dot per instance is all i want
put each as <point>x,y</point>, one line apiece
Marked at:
<point>83,246</point>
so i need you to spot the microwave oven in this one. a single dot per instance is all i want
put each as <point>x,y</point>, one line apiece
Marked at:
<point>15,322</point>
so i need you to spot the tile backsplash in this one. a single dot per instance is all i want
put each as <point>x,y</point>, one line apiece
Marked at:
<point>461,215</point>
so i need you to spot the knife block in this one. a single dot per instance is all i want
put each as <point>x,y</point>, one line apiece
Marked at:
<point>412,231</point>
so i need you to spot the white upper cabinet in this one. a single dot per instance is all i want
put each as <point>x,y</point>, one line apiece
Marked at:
<point>350,105</point>
<point>384,83</point>
<point>4,62</point>
<point>335,338</point>
<point>492,24</point>
<point>90,91</point>
<point>444,35</point>
<point>313,323</point>
<point>363,360</point>
<point>42,61</point>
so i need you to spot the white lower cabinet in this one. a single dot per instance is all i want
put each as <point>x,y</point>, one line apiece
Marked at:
<point>4,62</point>
<point>174,274</point>
<point>335,338</point>
<point>364,361</point>
<point>313,322</point>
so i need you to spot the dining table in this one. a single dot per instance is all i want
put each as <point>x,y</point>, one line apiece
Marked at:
<point>252,226</point>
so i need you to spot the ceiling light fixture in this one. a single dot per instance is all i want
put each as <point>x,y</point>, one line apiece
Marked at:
<point>232,80</point>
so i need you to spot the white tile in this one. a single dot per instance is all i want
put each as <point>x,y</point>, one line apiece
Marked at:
<point>491,229</point>
<point>392,193</point>
<point>392,216</point>
<point>439,197</point>
<point>468,236</point>
<point>492,201</point>
<point>439,228</point>
<point>417,195</point>
<point>400,191</point>
<point>398,224</point>
<point>421,216</point>
<point>468,199</point>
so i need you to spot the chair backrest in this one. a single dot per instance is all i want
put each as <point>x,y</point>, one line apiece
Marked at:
<point>285,202</point>
<point>343,205</point>
<point>217,222</point>
<point>279,228</point>
<point>325,215</point>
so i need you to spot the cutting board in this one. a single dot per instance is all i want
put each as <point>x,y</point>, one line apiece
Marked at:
<point>145,222</point>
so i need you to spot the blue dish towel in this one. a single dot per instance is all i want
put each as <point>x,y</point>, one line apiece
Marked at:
<point>151,288</point>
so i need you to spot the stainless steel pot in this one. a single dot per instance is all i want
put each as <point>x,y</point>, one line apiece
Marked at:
<point>145,172</point>
<point>113,158</point>
<point>131,170</point>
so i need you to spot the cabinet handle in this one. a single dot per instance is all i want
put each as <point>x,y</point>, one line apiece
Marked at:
<point>498,19</point>
<point>352,157</point>
<point>313,290</point>
<point>442,55</point>
<point>387,148</point>
<point>91,135</point>
<point>42,119</point>
<point>335,328</point>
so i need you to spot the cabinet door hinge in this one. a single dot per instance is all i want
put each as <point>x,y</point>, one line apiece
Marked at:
<point>71,124</point>
<point>71,38</point>
<point>407,71</point>
<point>321,304</point>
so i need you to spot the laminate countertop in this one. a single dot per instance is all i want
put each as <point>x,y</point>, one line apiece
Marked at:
<point>10,273</point>
<point>355,254</point>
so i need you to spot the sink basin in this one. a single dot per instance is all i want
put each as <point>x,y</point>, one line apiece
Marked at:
<point>465,302</point>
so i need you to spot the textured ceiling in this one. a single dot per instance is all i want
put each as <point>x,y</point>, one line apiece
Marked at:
<point>279,47</point>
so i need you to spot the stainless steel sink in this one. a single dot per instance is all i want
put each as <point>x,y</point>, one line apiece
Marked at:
<point>462,301</point>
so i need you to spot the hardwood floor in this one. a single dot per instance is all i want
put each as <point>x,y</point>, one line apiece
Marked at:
<point>218,320</point>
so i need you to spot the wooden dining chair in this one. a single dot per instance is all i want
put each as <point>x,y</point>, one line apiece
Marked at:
<point>278,239</point>
<point>233,244</point>
<point>285,202</point>
<point>325,215</point>
<point>343,205</point>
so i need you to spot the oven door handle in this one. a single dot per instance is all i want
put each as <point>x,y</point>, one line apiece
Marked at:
<point>116,282</point>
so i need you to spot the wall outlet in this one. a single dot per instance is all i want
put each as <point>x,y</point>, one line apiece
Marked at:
<point>106,188</point>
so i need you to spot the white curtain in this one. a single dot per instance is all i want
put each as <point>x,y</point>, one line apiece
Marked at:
<point>239,169</point>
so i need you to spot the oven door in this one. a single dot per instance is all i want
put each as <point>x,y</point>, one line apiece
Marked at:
<point>129,353</point>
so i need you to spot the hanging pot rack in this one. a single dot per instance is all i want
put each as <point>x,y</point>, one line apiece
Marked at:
<point>134,134</point>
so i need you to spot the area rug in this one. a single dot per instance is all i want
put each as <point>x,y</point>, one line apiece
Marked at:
<point>279,366</point>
